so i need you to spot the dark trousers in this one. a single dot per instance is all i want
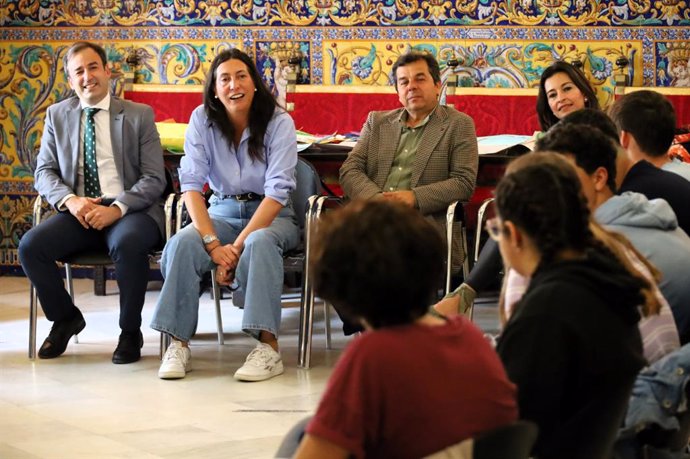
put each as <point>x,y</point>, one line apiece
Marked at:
<point>129,241</point>
<point>487,269</point>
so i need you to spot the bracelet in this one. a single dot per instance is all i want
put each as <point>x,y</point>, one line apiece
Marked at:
<point>214,248</point>
<point>434,313</point>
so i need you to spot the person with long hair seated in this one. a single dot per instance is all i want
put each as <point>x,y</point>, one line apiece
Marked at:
<point>414,382</point>
<point>563,89</point>
<point>245,147</point>
<point>657,326</point>
<point>572,346</point>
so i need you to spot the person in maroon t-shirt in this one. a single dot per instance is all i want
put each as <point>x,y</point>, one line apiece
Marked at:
<point>415,382</point>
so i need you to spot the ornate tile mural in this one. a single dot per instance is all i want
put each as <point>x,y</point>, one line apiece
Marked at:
<point>489,63</point>
<point>496,43</point>
<point>672,63</point>
<point>342,13</point>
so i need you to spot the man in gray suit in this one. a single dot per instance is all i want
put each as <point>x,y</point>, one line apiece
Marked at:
<point>100,165</point>
<point>423,155</point>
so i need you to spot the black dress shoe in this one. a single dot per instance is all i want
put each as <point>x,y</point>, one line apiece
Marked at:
<point>62,330</point>
<point>128,349</point>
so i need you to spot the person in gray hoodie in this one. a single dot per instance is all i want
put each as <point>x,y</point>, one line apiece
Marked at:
<point>650,225</point>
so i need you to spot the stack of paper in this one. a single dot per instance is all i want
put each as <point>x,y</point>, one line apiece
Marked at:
<point>497,143</point>
<point>305,140</point>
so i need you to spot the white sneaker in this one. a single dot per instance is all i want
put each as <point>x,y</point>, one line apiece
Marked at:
<point>176,361</point>
<point>262,363</point>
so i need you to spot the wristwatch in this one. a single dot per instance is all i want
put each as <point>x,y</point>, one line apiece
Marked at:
<point>209,238</point>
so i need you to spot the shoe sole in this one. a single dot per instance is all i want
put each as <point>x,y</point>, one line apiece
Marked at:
<point>172,374</point>
<point>256,378</point>
<point>122,361</point>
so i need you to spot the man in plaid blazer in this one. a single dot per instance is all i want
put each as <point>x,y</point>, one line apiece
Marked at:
<point>424,154</point>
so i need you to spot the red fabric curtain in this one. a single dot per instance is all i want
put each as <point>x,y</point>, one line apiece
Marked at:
<point>168,106</point>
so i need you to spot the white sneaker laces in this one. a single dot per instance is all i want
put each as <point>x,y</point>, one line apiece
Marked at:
<point>260,356</point>
<point>174,353</point>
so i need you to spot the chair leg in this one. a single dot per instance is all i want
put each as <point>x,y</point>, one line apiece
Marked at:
<point>99,280</point>
<point>466,261</point>
<point>306,314</point>
<point>306,328</point>
<point>165,343</point>
<point>216,300</point>
<point>70,290</point>
<point>450,219</point>
<point>480,226</point>
<point>33,312</point>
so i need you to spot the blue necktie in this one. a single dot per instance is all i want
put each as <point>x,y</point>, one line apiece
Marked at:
<point>92,187</point>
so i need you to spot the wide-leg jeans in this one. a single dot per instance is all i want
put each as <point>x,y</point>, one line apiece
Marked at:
<point>259,273</point>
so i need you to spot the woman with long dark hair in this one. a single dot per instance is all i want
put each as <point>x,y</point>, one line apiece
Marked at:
<point>244,147</point>
<point>572,345</point>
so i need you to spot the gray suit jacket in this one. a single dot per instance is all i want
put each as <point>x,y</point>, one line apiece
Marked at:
<point>136,148</point>
<point>444,170</point>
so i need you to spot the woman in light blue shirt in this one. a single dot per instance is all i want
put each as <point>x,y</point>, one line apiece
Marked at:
<point>244,147</point>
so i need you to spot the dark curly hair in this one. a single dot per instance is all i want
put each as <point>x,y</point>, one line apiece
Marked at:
<point>378,261</point>
<point>260,113</point>
<point>546,116</point>
<point>546,202</point>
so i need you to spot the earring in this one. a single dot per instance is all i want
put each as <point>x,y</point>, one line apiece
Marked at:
<point>216,96</point>
<point>586,99</point>
<point>255,89</point>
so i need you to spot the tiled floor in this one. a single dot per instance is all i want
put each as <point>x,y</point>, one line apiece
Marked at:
<point>82,406</point>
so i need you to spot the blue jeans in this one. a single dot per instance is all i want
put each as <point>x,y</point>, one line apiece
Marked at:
<point>292,439</point>
<point>259,273</point>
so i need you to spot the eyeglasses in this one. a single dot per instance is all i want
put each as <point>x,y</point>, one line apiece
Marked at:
<point>494,227</point>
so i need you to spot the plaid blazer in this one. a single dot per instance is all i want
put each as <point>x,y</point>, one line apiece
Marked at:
<point>444,169</point>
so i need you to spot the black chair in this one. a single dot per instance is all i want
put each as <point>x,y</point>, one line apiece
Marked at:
<point>513,441</point>
<point>308,187</point>
<point>96,259</point>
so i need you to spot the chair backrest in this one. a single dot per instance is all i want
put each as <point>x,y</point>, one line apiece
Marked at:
<point>513,441</point>
<point>308,183</point>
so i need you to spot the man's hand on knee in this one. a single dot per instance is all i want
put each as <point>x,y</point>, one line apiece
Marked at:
<point>102,216</point>
<point>79,207</point>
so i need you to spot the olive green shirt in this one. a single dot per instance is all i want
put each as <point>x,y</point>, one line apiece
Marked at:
<point>400,176</point>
